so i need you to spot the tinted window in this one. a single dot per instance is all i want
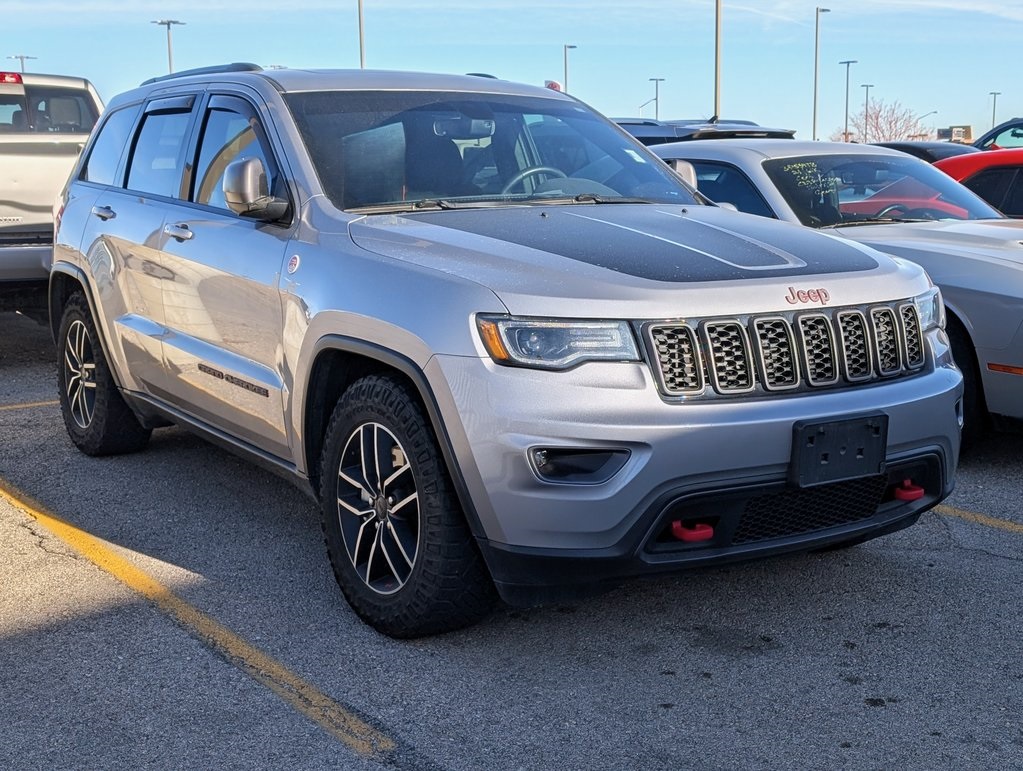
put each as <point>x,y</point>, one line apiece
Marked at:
<point>106,151</point>
<point>1013,203</point>
<point>156,162</point>
<point>394,149</point>
<point>991,184</point>
<point>228,135</point>
<point>722,183</point>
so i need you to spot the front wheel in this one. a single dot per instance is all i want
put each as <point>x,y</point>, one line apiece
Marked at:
<point>395,533</point>
<point>95,415</point>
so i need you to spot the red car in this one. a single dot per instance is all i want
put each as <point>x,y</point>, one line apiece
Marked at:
<point>996,176</point>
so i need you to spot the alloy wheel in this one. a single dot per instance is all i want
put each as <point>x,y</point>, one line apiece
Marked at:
<point>80,374</point>
<point>378,508</point>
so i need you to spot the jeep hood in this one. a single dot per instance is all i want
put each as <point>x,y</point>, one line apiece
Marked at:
<point>593,257</point>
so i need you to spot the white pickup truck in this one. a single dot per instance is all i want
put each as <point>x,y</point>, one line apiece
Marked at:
<point>45,121</point>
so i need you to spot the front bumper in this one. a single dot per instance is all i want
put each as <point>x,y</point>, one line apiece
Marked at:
<point>695,461</point>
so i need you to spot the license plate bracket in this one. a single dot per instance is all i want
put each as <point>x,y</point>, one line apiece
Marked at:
<point>825,451</point>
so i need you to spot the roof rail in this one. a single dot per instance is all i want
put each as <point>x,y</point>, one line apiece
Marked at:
<point>233,67</point>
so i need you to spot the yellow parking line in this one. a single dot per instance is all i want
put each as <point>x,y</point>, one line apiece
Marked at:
<point>305,698</point>
<point>980,519</point>
<point>27,405</point>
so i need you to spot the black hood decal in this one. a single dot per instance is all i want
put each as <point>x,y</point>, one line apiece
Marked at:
<point>662,243</point>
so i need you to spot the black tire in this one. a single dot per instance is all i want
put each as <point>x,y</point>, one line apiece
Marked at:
<point>395,533</point>
<point>95,415</point>
<point>975,418</point>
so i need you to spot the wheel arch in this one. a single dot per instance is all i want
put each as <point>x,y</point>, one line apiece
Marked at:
<point>338,362</point>
<point>65,280</point>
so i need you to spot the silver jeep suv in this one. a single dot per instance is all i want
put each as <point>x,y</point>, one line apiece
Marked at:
<point>510,352</point>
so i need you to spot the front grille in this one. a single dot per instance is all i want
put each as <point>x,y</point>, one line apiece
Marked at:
<point>794,512</point>
<point>785,352</point>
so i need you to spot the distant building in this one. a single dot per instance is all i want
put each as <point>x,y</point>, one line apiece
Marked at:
<point>956,134</point>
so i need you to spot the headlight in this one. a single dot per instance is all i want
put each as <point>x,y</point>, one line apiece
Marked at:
<point>555,343</point>
<point>931,309</point>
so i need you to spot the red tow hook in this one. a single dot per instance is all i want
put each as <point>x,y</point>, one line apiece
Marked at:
<point>909,491</point>
<point>694,533</point>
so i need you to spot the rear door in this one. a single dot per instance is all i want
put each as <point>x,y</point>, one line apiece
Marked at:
<point>223,314</point>
<point>121,231</point>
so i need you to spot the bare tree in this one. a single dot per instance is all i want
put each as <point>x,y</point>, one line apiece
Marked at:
<point>883,122</point>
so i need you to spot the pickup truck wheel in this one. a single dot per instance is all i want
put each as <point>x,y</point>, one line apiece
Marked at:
<point>96,416</point>
<point>395,533</point>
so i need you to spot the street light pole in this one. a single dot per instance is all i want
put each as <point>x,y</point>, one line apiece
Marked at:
<point>847,62</point>
<point>925,115</point>
<point>22,57</point>
<point>866,108</point>
<point>994,104</point>
<point>362,41</point>
<point>168,23</point>
<point>657,97</point>
<point>816,62</point>
<point>566,65</point>
<point>717,59</point>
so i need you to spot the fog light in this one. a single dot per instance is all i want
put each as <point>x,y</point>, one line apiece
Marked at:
<point>577,466</point>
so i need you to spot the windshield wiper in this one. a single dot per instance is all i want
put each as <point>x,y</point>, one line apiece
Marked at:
<point>583,198</point>
<point>874,221</point>
<point>426,204</point>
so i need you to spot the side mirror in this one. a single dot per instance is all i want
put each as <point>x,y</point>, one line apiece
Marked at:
<point>247,193</point>
<point>684,169</point>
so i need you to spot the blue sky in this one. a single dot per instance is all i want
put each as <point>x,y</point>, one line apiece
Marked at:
<point>943,55</point>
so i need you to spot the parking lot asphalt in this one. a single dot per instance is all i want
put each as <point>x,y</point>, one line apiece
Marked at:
<point>174,608</point>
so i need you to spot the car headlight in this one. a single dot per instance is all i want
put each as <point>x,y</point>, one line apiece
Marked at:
<point>931,309</point>
<point>555,343</point>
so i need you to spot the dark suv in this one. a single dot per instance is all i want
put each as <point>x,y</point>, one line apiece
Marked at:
<point>658,132</point>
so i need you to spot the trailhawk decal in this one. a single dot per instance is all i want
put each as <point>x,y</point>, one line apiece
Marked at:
<point>233,380</point>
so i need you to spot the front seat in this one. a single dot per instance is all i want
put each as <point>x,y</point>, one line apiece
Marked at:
<point>434,167</point>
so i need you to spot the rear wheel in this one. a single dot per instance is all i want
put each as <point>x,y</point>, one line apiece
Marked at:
<point>97,418</point>
<point>395,532</point>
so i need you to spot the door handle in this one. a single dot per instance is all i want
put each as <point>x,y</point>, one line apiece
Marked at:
<point>179,232</point>
<point>104,212</point>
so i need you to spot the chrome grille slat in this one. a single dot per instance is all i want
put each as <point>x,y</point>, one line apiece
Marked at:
<point>790,351</point>
<point>776,346</point>
<point>912,335</point>
<point>681,371</point>
<point>886,340</point>
<point>731,365</point>
<point>818,341</point>
<point>852,331</point>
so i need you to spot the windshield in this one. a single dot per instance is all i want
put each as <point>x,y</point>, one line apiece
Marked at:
<point>839,190</point>
<point>407,150</point>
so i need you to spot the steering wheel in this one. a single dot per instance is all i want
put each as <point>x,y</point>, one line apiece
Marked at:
<point>531,171</point>
<point>895,207</point>
<point>924,213</point>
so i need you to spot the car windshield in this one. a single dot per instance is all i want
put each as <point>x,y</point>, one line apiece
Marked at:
<point>411,150</point>
<point>841,190</point>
